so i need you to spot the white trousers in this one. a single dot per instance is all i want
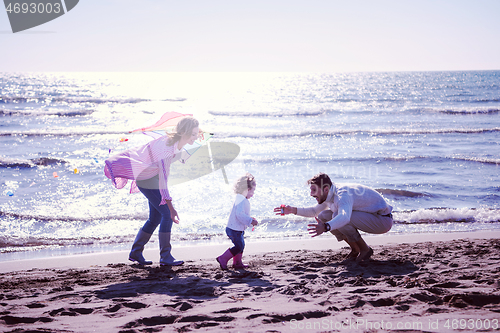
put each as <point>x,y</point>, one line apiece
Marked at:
<point>367,222</point>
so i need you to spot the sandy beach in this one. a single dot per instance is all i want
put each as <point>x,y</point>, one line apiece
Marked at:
<point>396,103</point>
<point>413,283</point>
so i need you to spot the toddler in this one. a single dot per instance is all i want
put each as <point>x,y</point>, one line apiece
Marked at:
<point>239,220</point>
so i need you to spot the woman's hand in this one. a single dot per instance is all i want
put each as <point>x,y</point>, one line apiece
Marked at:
<point>254,222</point>
<point>174,216</point>
<point>173,213</point>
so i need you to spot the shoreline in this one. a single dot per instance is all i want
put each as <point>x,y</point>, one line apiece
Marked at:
<point>194,252</point>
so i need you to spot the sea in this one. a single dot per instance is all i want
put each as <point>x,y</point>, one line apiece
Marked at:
<point>429,142</point>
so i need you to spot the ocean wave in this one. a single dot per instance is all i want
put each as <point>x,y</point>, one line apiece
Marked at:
<point>69,219</point>
<point>180,99</point>
<point>268,114</point>
<point>33,243</point>
<point>264,135</point>
<point>21,163</point>
<point>60,134</point>
<point>457,110</point>
<point>278,135</point>
<point>401,193</point>
<point>276,228</point>
<point>485,100</point>
<point>420,216</point>
<point>61,113</point>
<point>15,163</point>
<point>469,112</point>
<point>484,160</point>
<point>375,159</point>
<point>69,100</point>
<point>448,215</point>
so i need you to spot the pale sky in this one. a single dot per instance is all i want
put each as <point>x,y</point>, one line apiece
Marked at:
<point>251,36</point>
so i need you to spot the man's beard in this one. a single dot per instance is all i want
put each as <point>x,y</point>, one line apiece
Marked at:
<point>321,200</point>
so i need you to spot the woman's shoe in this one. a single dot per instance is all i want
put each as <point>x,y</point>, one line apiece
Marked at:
<point>166,258</point>
<point>136,253</point>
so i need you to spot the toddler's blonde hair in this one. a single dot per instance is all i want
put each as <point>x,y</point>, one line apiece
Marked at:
<point>245,182</point>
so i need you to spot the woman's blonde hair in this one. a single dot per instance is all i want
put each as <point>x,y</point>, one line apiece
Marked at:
<point>184,126</point>
<point>245,182</point>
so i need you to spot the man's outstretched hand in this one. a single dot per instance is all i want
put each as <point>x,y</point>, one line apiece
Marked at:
<point>287,210</point>
<point>316,229</point>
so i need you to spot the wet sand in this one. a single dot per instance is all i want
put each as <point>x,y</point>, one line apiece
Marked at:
<point>430,286</point>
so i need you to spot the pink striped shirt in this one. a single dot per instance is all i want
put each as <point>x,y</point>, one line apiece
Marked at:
<point>143,163</point>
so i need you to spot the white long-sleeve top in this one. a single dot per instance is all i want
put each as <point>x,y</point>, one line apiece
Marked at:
<point>240,218</point>
<point>343,199</point>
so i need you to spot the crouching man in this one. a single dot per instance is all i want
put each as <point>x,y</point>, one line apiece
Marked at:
<point>343,209</point>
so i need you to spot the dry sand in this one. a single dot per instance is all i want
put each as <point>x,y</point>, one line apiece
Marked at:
<point>433,286</point>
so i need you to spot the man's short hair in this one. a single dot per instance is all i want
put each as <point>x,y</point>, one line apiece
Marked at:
<point>320,180</point>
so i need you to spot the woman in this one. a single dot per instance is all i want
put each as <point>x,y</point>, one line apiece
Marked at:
<point>149,167</point>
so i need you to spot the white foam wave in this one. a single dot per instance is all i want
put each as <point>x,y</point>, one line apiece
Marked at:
<point>443,215</point>
<point>478,159</point>
<point>465,110</point>
<point>179,99</point>
<point>268,114</point>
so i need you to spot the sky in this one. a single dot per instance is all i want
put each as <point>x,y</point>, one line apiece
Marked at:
<point>259,36</point>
